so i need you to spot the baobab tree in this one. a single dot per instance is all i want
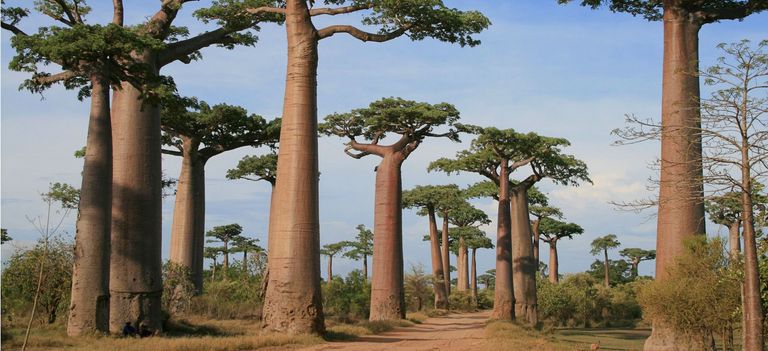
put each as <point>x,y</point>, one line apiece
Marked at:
<point>412,122</point>
<point>224,234</point>
<point>245,245</point>
<point>212,253</point>
<point>135,265</point>
<point>475,241</point>
<point>681,189</point>
<point>602,244</point>
<point>428,198</point>
<point>331,250</point>
<point>495,154</point>
<point>465,218</point>
<point>92,68</point>
<point>636,255</point>
<point>294,284</point>
<point>551,231</point>
<point>198,132</point>
<point>538,207</point>
<point>361,248</point>
<point>725,210</point>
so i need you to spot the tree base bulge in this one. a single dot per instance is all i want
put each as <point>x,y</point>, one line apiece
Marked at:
<point>281,315</point>
<point>527,313</point>
<point>135,307</point>
<point>503,311</point>
<point>666,339</point>
<point>387,308</point>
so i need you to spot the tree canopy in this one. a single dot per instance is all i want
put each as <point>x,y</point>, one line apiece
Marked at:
<point>604,243</point>
<point>256,168</point>
<point>412,121</point>
<point>217,128</point>
<point>707,10</point>
<point>493,146</point>
<point>553,230</point>
<point>362,246</point>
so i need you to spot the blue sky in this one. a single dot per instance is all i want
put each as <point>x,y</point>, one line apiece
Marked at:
<point>563,71</point>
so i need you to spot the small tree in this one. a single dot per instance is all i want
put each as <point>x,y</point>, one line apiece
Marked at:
<point>21,273</point>
<point>417,287</point>
<point>551,231</point>
<point>246,245</point>
<point>475,241</point>
<point>637,255</point>
<point>602,244</point>
<point>213,253</point>
<point>465,218</point>
<point>539,208</point>
<point>431,198</point>
<point>4,237</point>
<point>361,248</point>
<point>331,250</point>
<point>224,234</point>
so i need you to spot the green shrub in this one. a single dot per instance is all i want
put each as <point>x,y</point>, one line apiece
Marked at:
<point>20,278</point>
<point>701,294</point>
<point>229,299</point>
<point>347,299</point>
<point>461,301</point>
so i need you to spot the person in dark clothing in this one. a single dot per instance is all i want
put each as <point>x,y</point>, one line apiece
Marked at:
<point>144,331</point>
<point>128,329</point>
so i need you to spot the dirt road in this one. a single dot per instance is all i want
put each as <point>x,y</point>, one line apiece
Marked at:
<point>456,332</point>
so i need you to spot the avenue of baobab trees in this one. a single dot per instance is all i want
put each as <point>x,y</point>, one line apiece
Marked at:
<point>118,259</point>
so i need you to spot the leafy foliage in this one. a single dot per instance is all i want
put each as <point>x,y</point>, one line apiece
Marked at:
<point>703,279</point>
<point>178,288</point>
<point>256,168</point>
<point>20,278</point>
<point>619,271</point>
<point>418,288</point>
<point>707,11</point>
<point>347,298</point>
<point>218,128</point>
<point>412,121</point>
<point>493,146</point>
<point>362,247</point>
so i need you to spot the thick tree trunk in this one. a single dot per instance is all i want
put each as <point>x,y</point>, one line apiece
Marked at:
<point>606,279</point>
<point>462,261</point>
<point>446,257</point>
<point>553,263</point>
<point>524,267</point>
<point>292,300</point>
<point>503,297</point>
<point>681,205</point>
<point>135,265</point>
<point>535,230</point>
<point>330,269</point>
<point>734,239</point>
<point>441,296</point>
<point>751,302</point>
<point>89,305</point>
<point>387,293</point>
<point>188,229</point>
<point>473,276</point>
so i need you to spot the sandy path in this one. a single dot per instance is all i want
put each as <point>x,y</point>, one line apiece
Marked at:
<point>456,332</point>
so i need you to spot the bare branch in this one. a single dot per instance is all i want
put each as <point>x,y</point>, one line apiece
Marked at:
<point>13,29</point>
<point>360,34</point>
<point>338,10</point>
<point>265,9</point>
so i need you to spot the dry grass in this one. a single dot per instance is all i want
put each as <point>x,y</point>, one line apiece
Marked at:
<point>182,335</point>
<point>417,317</point>
<point>509,336</point>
